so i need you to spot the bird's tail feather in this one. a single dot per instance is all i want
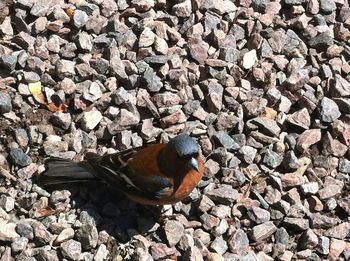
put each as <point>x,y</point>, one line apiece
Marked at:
<point>61,171</point>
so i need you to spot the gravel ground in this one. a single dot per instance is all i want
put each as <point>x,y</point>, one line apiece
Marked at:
<point>263,86</point>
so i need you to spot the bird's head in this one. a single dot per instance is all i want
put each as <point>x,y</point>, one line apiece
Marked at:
<point>185,151</point>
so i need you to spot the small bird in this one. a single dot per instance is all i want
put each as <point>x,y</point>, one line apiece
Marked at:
<point>154,175</point>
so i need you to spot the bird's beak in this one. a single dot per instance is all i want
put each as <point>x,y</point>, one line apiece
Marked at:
<point>193,163</point>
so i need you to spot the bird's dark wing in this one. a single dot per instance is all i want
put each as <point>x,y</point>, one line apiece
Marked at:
<point>115,170</point>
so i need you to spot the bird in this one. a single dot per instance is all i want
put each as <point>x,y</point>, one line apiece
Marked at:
<point>158,174</point>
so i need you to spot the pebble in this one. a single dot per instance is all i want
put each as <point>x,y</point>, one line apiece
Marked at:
<point>19,158</point>
<point>329,110</point>
<point>8,231</point>
<point>263,231</point>
<point>5,103</point>
<point>91,119</point>
<point>71,249</point>
<point>174,231</point>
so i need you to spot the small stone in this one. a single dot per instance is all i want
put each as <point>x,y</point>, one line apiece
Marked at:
<point>296,224</point>
<point>65,68</point>
<point>308,138</point>
<point>225,194</point>
<point>300,118</point>
<point>258,215</point>
<point>185,242</point>
<point>219,245</point>
<point>25,230</point>
<point>211,168</point>
<point>19,158</point>
<point>282,236</point>
<point>310,188</point>
<point>344,166</point>
<point>101,253</point>
<point>193,253</point>
<point>248,154</point>
<point>61,119</point>
<point>331,188</point>
<point>172,119</point>
<point>161,251</point>
<point>272,159</point>
<point>323,245</point>
<point>5,103</point>
<point>183,9</point>
<point>19,245</point>
<point>174,230</point>
<point>225,140</point>
<point>214,97</point>
<point>238,242</point>
<point>7,203</point>
<point>263,231</point>
<point>344,203</point>
<point>267,126</point>
<point>157,59</point>
<point>80,18</point>
<point>67,233</point>
<point>87,236</point>
<point>329,110</point>
<point>199,50</point>
<point>249,59</point>
<point>221,7</point>
<point>21,137</point>
<point>327,6</point>
<point>71,249</point>
<point>336,248</point>
<point>308,240</point>
<point>321,41</point>
<point>209,221</point>
<point>9,62</point>
<point>8,232</point>
<point>41,235</point>
<point>91,119</point>
<point>153,82</point>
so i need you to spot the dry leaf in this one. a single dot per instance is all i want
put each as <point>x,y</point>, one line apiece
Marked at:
<point>46,212</point>
<point>57,104</point>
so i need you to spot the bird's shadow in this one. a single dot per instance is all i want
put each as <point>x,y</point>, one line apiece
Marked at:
<point>112,211</point>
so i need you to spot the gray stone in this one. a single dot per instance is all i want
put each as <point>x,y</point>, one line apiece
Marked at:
<point>5,103</point>
<point>267,126</point>
<point>321,41</point>
<point>219,245</point>
<point>9,61</point>
<point>224,194</point>
<point>258,215</point>
<point>7,203</point>
<point>327,6</point>
<point>263,231</point>
<point>272,159</point>
<point>87,236</point>
<point>71,250</point>
<point>248,154</point>
<point>80,18</point>
<point>174,230</point>
<point>309,188</point>
<point>19,244</point>
<point>329,110</point>
<point>153,82</point>
<point>225,140</point>
<point>61,119</point>
<point>19,158</point>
